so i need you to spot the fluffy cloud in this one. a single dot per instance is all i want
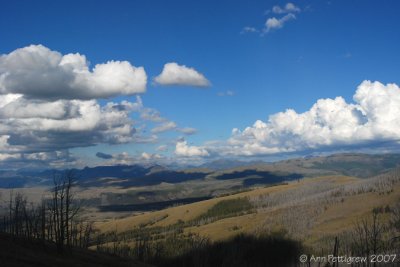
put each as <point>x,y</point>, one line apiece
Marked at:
<point>31,129</point>
<point>288,8</point>
<point>184,150</point>
<point>40,73</point>
<point>275,23</point>
<point>48,105</point>
<point>174,74</point>
<point>329,124</point>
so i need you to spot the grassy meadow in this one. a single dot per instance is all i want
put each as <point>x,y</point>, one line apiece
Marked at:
<point>312,211</point>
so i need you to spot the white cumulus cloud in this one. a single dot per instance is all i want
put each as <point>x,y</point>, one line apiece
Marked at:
<point>37,72</point>
<point>174,74</point>
<point>374,117</point>
<point>33,129</point>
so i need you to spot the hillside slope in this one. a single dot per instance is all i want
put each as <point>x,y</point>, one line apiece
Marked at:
<point>311,210</point>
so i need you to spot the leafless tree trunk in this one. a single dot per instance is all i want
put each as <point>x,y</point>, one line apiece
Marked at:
<point>63,209</point>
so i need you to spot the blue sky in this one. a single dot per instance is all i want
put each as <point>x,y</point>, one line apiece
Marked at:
<point>325,49</point>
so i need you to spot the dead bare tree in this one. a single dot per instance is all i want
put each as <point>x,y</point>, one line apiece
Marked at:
<point>368,236</point>
<point>63,209</point>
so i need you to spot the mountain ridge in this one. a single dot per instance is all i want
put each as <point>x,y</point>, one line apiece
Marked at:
<point>351,164</point>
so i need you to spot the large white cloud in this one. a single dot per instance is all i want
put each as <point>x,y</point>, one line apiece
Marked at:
<point>48,105</point>
<point>42,130</point>
<point>330,123</point>
<point>38,72</point>
<point>184,150</point>
<point>174,74</point>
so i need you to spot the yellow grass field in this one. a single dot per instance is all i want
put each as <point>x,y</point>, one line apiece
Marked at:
<point>330,219</point>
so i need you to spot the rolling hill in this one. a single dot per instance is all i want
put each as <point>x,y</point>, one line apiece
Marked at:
<point>152,213</point>
<point>312,210</point>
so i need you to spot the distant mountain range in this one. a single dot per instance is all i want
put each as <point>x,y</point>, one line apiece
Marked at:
<point>358,165</point>
<point>125,175</point>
